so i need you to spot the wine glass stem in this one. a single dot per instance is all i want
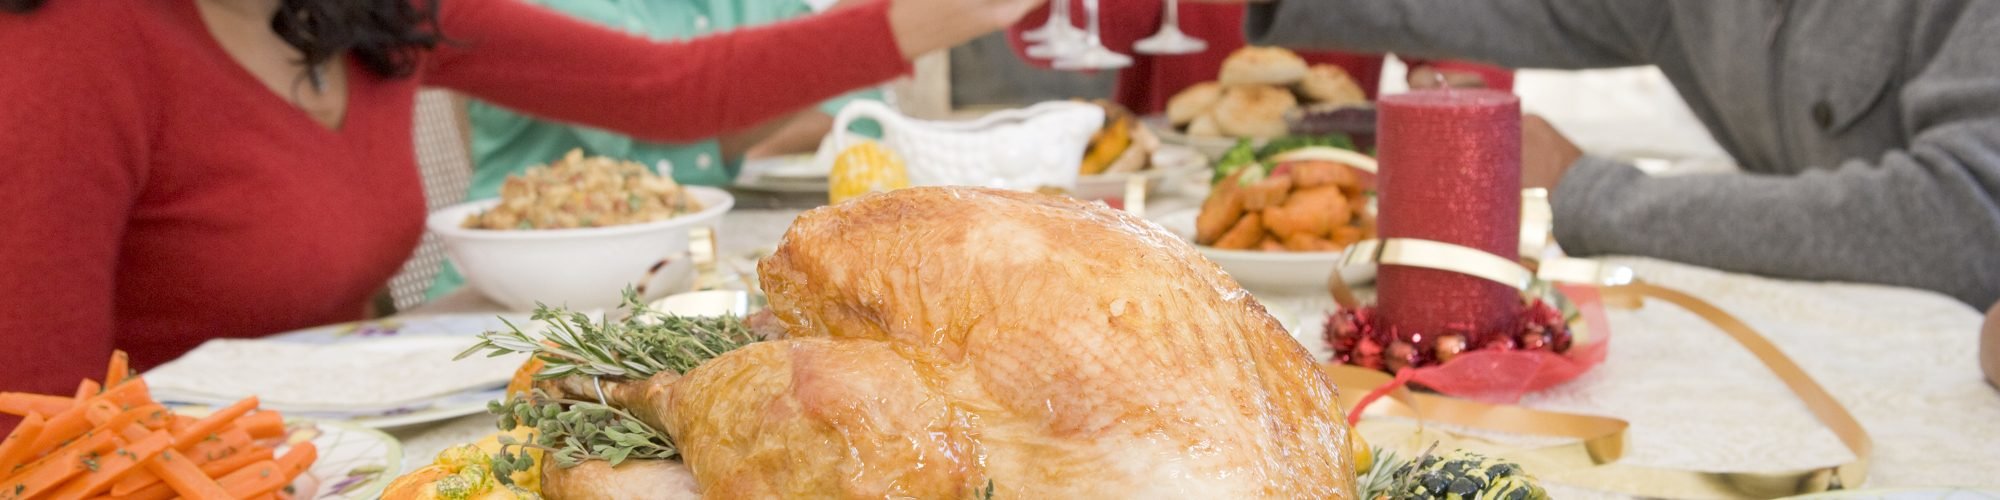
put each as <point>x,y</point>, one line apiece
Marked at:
<point>1174,14</point>
<point>1090,11</point>
<point>1059,10</point>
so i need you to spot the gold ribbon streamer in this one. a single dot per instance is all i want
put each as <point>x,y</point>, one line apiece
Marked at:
<point>1591,460</point>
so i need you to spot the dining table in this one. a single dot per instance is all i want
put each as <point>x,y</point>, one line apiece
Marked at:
<point>1902,361</point>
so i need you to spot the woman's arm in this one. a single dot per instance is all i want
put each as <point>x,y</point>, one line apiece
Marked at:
<point>544,63</point>
<point>74,130</point>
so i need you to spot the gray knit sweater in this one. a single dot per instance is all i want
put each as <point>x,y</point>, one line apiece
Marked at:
<point>1868,131</point>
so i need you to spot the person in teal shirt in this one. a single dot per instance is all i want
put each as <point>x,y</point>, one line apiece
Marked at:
<point>505,142</point>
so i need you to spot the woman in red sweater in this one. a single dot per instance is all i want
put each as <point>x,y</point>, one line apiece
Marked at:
<point>181,170</point>
<point>1145,86</point>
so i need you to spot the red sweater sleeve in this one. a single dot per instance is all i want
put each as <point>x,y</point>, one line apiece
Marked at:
<point>547,64</point>
<point>74,129</point>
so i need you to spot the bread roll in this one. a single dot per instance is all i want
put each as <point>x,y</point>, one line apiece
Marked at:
<point>1193,102</point>
<point>1328,84</point>
<point>1254,111</point>
<point>1204,126</point>
<point>1263,66</point>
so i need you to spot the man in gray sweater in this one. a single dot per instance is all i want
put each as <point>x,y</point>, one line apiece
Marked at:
<point>1868,131</point>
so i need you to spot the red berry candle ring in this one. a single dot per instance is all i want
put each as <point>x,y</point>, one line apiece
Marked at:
<point>1456,311</point>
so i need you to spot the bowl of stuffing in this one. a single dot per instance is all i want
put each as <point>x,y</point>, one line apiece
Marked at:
<point>577,231</point>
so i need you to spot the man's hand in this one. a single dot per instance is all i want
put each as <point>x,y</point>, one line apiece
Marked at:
<point>1545,154</point>
<point>1989,346</point>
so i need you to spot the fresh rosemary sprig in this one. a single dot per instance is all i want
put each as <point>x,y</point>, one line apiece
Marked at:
<point>642,343</point>
<point>1380,480</point>
<point>645,342</point>
<point>570,432</point>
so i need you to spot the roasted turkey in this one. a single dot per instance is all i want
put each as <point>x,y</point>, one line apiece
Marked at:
<point>941,340</point>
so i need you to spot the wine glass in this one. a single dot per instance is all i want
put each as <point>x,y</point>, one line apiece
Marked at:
<point>1093,54</point>
<point>1059,38</point>
<point>1170,40</point>
<point>1057,26</point>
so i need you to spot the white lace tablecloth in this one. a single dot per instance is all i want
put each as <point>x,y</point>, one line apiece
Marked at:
<point>1903,361</point>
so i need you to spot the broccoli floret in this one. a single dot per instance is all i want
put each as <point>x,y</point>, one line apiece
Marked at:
<point>1235,159</point>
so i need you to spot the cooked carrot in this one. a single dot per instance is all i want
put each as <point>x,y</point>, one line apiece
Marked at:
<point>158,491</point>
<point>257,479</point>
<point>212,424</point>
<point>263,424</point>
<point>87,388</point>
<point>219,445</point>
<point>15,450</point>
<point>224,465</point>
<point>129,394</point>
<point>64,426</point>
<point>120,369</point>
<point>179,472</point>
<point>298,459</point>
<point>178,422</point>
<point>75,421</point>
<point>58,466</point>
<point>107,468</point>
<point>171,466</point>
<point>21,403</point>
<point>99,411</point>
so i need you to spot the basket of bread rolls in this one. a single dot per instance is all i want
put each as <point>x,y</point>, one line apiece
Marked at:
<point>1126,148</point>
<point>1280,220</point>
<point>1264,93</point>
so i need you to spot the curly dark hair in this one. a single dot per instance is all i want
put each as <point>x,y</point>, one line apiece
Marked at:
<point>385,35</point>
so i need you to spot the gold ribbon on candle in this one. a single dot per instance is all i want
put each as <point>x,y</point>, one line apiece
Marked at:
<point>1591,461</point>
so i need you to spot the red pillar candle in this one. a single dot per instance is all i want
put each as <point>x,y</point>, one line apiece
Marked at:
<point>1451,172</point>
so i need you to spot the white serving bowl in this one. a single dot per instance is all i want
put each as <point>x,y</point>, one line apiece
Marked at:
<point>581,268</point>
<point>1271,272</point>
<point>1169,163</point>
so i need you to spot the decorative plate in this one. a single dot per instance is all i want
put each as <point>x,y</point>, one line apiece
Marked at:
<point>354,462</point>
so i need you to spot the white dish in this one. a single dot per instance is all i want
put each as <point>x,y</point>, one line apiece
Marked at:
<point>353,462</point>
<point>464,326</point>
<point>1273,272</point>
<point>581,268</point>
<point>1169,162</point>
<point>1213,147</point>
<point>798,166</point>
<point>1907,494</point>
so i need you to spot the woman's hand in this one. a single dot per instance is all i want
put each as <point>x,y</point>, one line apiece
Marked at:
<point>922,26</point>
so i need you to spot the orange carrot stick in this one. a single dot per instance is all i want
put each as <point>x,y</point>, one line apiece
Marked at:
<point>263,424</point>
<point>107,468</point>
<point>226,443</point>
<point>21,403</point>
<point>171,466</point>
<point>225,465</point>
<point>158,491</point>
<point>86,389</point>
<point>120,369</point>
<point>15,450</point>
<point>298,459</point>
<point>42,475</point>
<point>180,473</point>
<point>74,422</point>
<point>257,479</point>
<point>201,429</point>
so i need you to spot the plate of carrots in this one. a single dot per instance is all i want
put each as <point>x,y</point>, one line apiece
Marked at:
<point>111,439</point>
